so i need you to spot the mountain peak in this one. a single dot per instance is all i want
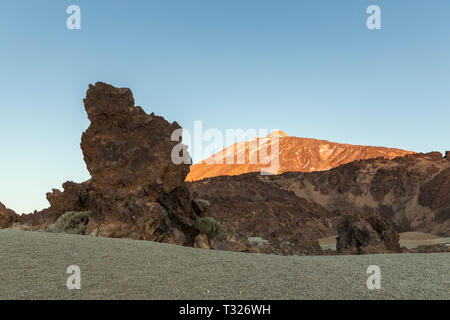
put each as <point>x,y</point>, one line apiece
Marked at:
<point>295,154</point>
<point>278,133</point>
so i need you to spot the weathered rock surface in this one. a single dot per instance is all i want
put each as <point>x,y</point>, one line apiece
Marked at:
<point>201,241</point>
<point>428,248</point>
<point>74,197</point>
<point>140,192</point>
<point>411,192</point>
<point>251,205</point>
<point>7,217</point>
<point>366,233</point>
<point>136,191</point>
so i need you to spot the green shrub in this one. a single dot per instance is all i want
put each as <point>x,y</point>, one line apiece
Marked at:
<point>21,227</point>
<point>212,228</point>
<point>72,222</point>
<point>204,203</point>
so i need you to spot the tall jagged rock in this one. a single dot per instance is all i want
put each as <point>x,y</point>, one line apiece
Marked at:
<point>139,191</point>
<point>7,217</point>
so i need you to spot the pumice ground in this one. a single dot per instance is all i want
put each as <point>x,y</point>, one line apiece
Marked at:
<point>130,269</point>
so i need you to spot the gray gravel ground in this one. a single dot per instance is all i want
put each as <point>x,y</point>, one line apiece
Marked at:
<point>33,266</point>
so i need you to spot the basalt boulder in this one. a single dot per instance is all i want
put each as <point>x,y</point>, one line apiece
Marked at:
<point>366,233</point>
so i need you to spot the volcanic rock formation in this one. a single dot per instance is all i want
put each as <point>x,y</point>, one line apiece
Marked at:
<point>251,205</point>
<point>74,197</point>
<point>139,192</point>
<point>366,233</point>
<point>295,154</point>
<point>411,192</point>
<point>136,191</point>
<point>7,217</point>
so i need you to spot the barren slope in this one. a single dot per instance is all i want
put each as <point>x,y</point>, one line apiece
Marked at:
<point>295,154</point>
<point>413,192</point>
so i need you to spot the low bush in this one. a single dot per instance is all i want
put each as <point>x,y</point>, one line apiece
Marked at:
<point>72,222</point>
<point>210,227</point>
<point>21,227</point>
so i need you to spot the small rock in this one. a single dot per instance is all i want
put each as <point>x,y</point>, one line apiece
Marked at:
<point>201,241</point>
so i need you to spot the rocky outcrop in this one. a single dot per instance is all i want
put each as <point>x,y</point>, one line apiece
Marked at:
<point>365,234</point>
<point>7,217</point>
<point>435,193</point>
<point>251,205</point>
<point>410,192</point>
<point>428,248</point>
<point>140,192</point>
<point>136,191</point>
<point>74,197</point>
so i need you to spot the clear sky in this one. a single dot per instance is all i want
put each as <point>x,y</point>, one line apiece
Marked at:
<point>310,68</point>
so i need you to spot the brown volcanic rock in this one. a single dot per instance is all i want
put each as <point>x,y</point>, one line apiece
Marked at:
<point>7,217</point>
<point>436,192</point>
<point>364,234</point>
<point>126,149</point>
<point>429,248</point>
<point>139,192</point>
<point>251,205</point>
<point>74,197</point>
<point>295,154</point>
<point>411,192</point>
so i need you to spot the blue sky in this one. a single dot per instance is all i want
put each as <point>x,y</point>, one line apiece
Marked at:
<point>310,68</point>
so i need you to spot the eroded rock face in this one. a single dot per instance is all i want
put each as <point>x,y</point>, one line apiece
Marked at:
<point>7,217</point>
<point>74,197</point>
<point>139,191</point>
<point>252,205</point>
<point>366,233</point>
<point>435,193</point>
<point>126,150</point>
<point>293,209</point>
